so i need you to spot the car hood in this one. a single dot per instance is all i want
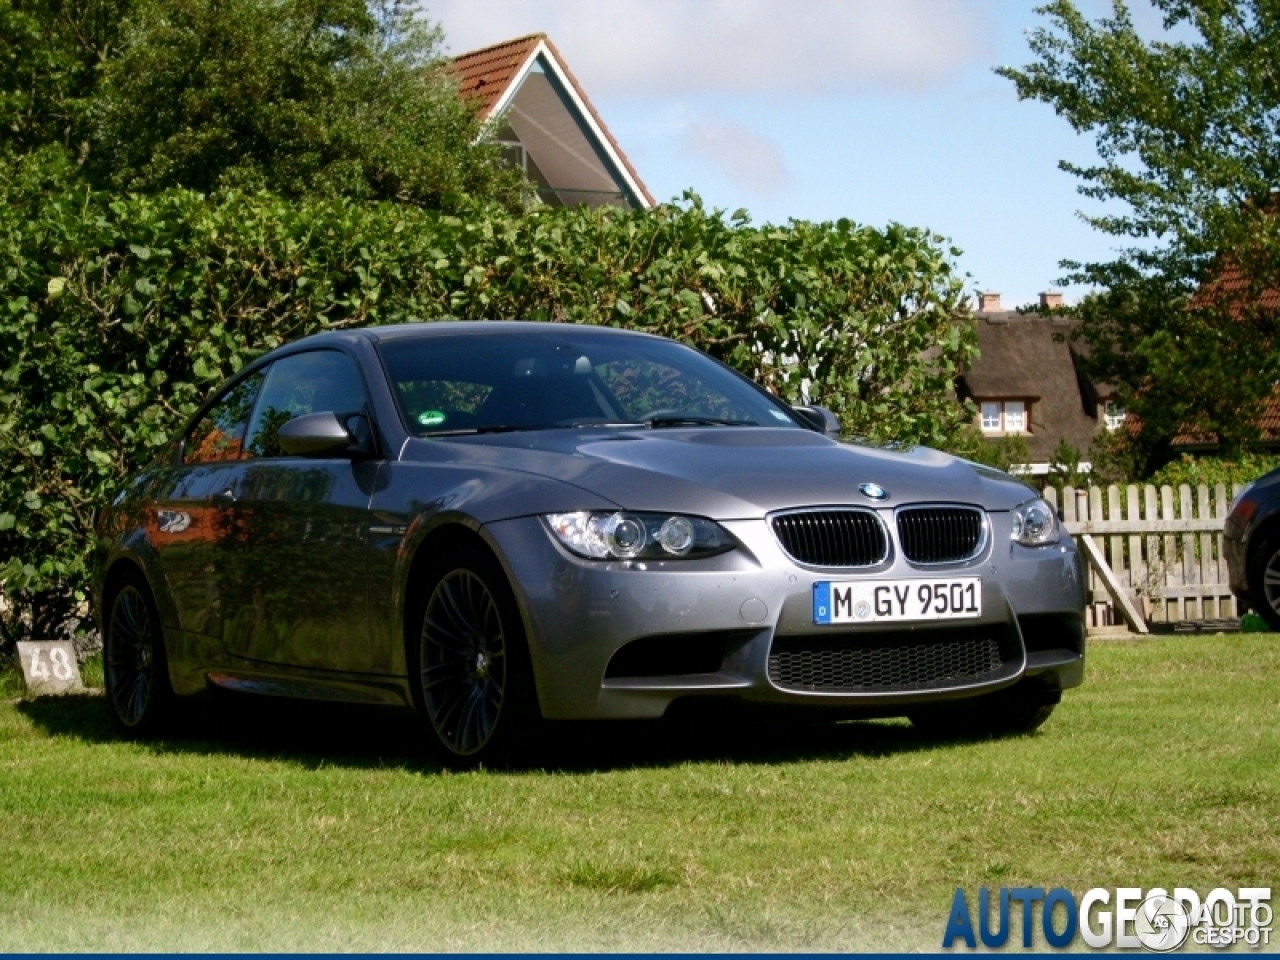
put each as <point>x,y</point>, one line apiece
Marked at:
<point>728,473</point>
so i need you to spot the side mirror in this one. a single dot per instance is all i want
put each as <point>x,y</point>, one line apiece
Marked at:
<point>325,435</point>
<point>820,419</point>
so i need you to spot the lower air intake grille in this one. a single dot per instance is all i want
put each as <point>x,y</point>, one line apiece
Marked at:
<point>939,534</point>
<point>832,538</point>
<point>877,664</point>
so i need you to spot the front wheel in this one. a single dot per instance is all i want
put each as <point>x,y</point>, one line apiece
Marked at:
<point>135,666</point>
<point>1264,581</point>
<point>475,683</point>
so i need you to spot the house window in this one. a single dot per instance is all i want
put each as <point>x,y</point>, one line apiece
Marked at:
<point>1015,416</point>
<point>1004,416</point>
<point>514,153</point>
<point>1114,415</point>
<point>991,416</point>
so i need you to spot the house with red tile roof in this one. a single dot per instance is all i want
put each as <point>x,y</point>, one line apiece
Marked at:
<point>1232,287</point>
<point>1192,440</point>
<point>548,126</point>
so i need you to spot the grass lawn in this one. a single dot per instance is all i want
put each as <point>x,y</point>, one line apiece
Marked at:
<point>261,826</point>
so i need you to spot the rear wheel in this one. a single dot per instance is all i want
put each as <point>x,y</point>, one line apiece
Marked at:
<point>474,680</point>
<point>1019,709</point>
<point>1264,581</point>
<point>134,662</point>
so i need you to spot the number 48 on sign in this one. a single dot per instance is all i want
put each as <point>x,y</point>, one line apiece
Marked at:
<point>49,668</point>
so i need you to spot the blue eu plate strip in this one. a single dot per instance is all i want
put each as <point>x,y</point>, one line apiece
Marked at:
<point>822,602</point>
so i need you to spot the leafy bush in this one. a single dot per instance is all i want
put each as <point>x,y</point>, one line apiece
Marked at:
<point>1065,467</point>
<point>118,316</point>
<point>1213,470</point>
<point>1003,453</point>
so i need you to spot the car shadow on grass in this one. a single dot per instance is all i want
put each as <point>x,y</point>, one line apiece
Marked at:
<point>317,735</point>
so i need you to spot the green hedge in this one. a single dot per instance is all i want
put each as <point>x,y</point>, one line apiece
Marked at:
<point>1211,470</point>
<point>119,315</point>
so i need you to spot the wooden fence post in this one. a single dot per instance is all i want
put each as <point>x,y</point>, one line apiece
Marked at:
<point>1155,568</point>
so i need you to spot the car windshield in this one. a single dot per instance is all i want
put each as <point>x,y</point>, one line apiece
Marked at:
<point>466,383</point>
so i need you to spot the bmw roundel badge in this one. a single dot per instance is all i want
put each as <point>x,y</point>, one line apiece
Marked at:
<point>874,491</point>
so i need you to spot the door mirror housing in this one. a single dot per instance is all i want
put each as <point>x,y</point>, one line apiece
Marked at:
<point>327,435</point>
<point>820,419</point>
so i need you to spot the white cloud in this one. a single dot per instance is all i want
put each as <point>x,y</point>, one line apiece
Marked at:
<point>656,48</point>
<point>752,162</point>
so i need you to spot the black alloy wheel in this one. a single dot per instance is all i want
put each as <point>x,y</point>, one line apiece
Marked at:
<point>135,667</point>
<point>476,684</point>
<point>1264,581</point>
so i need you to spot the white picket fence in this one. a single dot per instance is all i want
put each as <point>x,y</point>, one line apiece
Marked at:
<point>1154,555</point>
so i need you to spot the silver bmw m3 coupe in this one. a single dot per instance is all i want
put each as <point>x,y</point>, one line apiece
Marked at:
<point>493,523</point>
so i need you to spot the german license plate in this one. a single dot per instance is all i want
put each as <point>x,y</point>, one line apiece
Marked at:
<point>897,601</point>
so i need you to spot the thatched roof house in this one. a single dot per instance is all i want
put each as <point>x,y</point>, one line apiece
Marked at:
<point>1029,382</point>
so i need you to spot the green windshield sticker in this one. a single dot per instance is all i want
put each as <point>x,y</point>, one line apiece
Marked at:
<point>431,418</point>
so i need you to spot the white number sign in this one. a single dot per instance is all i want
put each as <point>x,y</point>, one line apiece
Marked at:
<point>49,668</point>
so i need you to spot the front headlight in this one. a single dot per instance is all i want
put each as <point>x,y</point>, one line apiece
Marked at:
<point>1035,523</point>
<point>623,535</point>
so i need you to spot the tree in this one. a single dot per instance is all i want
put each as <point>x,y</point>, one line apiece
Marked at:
<point>51,52</point>
<point>338,97</point>
<point>301,97</point>
<point>1186,133</point>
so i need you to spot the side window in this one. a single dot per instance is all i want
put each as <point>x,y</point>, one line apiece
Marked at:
<point>314,382</point>
<point>219,435</point>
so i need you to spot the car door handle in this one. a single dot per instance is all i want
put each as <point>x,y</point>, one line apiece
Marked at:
<point>225,498</point>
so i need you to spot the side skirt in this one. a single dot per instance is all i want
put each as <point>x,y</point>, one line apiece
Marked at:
<point>307,685</point>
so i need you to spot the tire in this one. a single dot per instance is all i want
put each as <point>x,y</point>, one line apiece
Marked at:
<point>1015,711</point>
<point>1264,597</point>
<point>135,666</point>
<point>472,676</point>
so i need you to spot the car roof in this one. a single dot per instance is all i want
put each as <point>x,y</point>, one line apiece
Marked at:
<point>423,329</point>
<point>444,327</point>
<point>440,328</point>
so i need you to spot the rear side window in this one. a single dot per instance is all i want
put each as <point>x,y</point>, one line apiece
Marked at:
<point>313,382</point>
<point>219,434</point>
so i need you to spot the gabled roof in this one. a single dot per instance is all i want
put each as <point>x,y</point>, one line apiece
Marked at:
<point>1229,283</point>
<point>485,75</point>
<point>492,76</point>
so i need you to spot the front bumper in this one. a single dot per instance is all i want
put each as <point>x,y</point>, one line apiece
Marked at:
<point>579,614</point>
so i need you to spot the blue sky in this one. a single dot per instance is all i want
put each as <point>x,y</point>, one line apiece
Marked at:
<point>876,110</point>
